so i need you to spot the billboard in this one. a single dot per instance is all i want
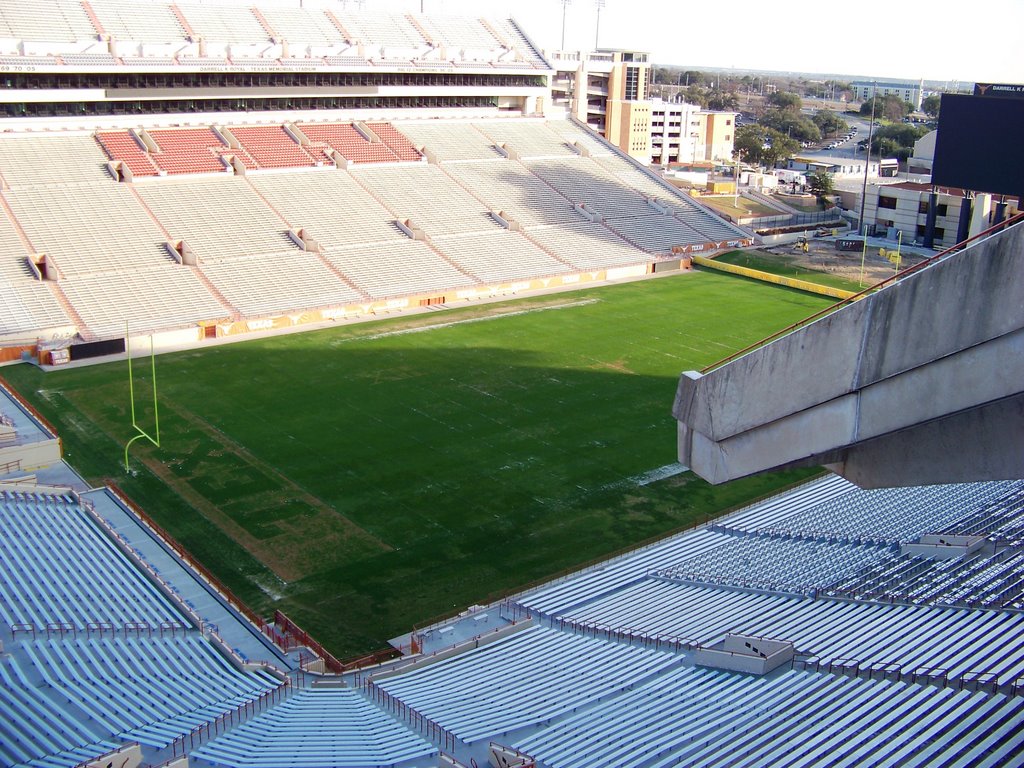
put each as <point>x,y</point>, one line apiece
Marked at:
<point>978,145</point>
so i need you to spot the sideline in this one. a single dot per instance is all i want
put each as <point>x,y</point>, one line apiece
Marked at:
<point>405,312</point>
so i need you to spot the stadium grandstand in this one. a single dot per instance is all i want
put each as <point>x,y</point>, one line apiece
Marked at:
<point>160,169</point>
<point>199,171</point>
<point>825,626</point>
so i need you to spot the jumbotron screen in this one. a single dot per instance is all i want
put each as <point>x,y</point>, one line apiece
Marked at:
<point>978,145</point>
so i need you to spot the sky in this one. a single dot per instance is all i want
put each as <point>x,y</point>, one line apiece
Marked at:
<point>944,40</point>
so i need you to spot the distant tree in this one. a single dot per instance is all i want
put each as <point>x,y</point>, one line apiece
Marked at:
<point>722,101</point>
<point>884,147</point>
<point>785,100</point>
<point>930,105</point>
<point>829,123</point>
<point>692,77</point>
<point>780,146</point>
<point>904,134</point>
<point>889,107</point>
<point>748,144</point>
<point>694,94</point>
<point>792,124</point>
<point>821,186</point>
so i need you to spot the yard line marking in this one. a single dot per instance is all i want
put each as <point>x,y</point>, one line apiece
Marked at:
<point>435,326</point>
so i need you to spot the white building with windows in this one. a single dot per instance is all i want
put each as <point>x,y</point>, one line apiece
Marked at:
<point>683,133</point>
<point>911,92</point>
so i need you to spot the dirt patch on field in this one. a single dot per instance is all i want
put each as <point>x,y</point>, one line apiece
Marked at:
<point>292,531</point>
<point>823,257</point>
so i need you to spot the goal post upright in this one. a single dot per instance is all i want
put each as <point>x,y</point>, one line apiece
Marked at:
<point>131,394</point>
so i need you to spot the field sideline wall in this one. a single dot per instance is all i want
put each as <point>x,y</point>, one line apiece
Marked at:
<point>768,277</point>
<point>194,336</point>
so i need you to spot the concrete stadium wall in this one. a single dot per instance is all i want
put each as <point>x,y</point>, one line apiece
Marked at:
<point>919,383</point>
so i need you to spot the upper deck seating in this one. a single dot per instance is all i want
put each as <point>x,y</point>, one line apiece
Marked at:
<point>121,145</point>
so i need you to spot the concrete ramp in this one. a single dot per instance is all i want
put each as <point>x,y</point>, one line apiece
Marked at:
<point>919,383</point>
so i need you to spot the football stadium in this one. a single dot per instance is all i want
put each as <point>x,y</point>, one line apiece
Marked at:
<point>336,429</point>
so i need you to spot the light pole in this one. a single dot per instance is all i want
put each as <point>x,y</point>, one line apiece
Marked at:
<point>565,4</point>
<point>864,189</point>
<point>599,4</point>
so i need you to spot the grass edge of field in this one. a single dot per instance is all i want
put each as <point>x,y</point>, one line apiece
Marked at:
<point>248,577</point>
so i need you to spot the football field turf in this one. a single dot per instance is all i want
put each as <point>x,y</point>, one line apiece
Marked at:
<point>367,477</point>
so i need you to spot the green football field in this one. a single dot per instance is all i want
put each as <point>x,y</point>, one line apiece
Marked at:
<point>369,477</point>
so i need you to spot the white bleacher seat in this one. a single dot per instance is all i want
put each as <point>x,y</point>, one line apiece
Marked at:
<point>153,299</point>
<point>530,140</point>
<point>45,20</point>
<point>396,268</point>
<point>316,728</point>
<point>278,283</point>
<point>427,196</point>
<point>499,256</point>
<point>509,187</point>
<point>522,680</point>
<point>383,30</point>
<point>587,245</point>
<point>217,218</point>
<point>331,205</point>
<point>225,23</point>
<point>124,21</point>
<point>459,141</point>
<point>89,229</point>
<point>582,180</point>
<point>34,160</point>
<point>309,26</point>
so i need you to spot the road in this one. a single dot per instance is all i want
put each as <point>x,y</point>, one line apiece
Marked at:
<point>848,149</point>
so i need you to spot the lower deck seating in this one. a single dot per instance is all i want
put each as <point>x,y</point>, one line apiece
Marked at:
<point>586,245</point>
<point>521,681</point>
<point>703,717</point>
<point>28,306</point>
<point>89,229</point>
<point>499,256</point>
<point>32,725</point>
<point>427,196</point>
<point>217,218</point>
<point>394,269</point>
<point>272,284</point>
<point>955,640</point>
<point>330,206</point>
<point>57,567</point>
<point>147,689</point>
<point>149,300</point>
<point>656,233</point>
<point>317,728</point>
